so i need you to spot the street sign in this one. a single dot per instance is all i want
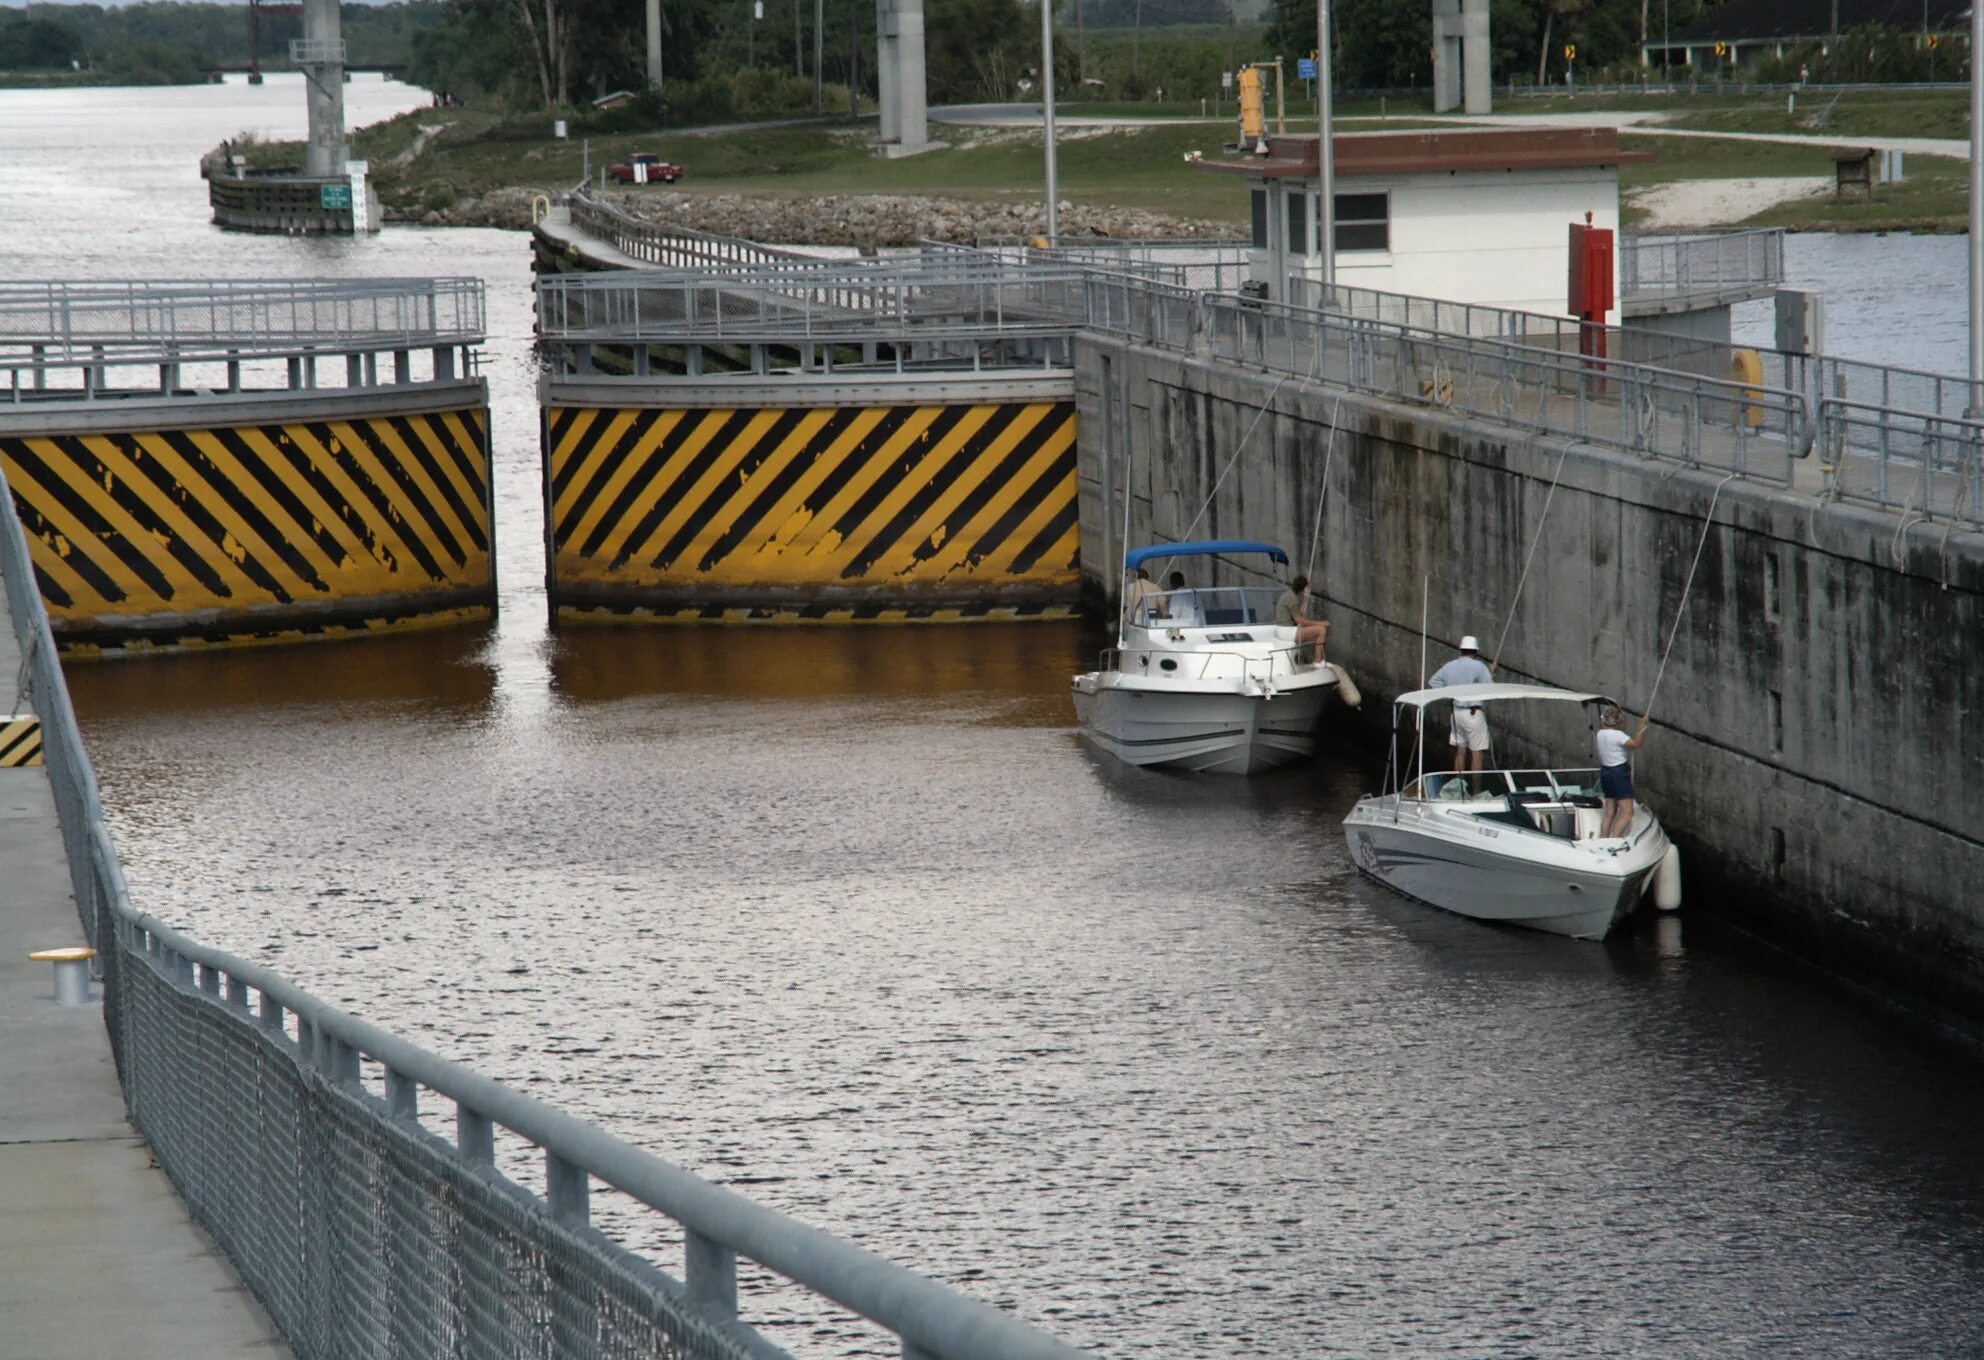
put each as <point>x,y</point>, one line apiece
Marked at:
<point>334,195</point>
<point>1226,80</point>
<point>1305,68</point>
<point>1570,51</point>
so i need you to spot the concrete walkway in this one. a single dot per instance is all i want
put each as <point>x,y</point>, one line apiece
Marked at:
<point>98,1259</point>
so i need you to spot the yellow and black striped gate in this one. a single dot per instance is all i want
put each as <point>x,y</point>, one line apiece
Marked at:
<point>258,531</point>
<point>925,510</point>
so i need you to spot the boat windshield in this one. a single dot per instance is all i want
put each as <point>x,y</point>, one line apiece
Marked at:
<point>1207,607</point>
<point>1526,785</point>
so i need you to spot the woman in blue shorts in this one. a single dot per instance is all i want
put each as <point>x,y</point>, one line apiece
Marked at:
<point>1615,770</point>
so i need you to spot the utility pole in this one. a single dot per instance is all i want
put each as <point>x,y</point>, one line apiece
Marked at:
<point>819,52</point>
<point>798,42</point>
<point>654,44</point>
<point>1976,410</point>
<point>853,58</point>
<point>1325,157</point>
<point>1047,117</point>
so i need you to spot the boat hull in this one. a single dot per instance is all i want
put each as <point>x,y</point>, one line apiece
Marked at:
<point>1217,733</point>
<point>1570,890</point>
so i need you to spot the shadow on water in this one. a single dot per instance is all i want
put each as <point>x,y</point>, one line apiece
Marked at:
<point>444,671</point>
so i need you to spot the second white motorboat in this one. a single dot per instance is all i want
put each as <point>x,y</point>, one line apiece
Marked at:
<point>1203,679</point>
<point>1521,847</point>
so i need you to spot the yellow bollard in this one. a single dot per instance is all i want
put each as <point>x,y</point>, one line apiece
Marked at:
<point>1747,367</point>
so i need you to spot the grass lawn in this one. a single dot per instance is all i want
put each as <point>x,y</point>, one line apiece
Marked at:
<point>1847,114</point>
<point>1684,158</point>
<point>1134,167</point>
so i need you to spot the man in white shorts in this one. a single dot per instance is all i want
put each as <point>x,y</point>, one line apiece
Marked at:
<point>1470,724</point>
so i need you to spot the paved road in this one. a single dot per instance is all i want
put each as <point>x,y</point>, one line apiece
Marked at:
<point>1644,121</point>
<point>98,1259</point>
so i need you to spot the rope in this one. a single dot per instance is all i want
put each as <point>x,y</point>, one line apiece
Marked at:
<point>1708,522</point>
<point>1244,439</point>
<point>1322,498</point>
<point>1535,539</point>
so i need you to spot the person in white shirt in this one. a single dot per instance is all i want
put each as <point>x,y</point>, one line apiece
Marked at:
<point>1615,770</point>
<point>1469,723</point>
<point>1179,604</point>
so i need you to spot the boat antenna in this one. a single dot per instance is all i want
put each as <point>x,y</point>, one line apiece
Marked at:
<point>1123,583</point>
<point>1425,596</point>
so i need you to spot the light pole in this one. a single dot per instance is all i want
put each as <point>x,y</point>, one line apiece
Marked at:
<point>1976,216</point>
<point>1325,156</point>
<point>1047,116</point>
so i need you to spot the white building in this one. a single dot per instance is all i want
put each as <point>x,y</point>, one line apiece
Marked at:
<point>1470,216</point>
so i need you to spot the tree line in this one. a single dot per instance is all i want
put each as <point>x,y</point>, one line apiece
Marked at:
<point>755,58</point>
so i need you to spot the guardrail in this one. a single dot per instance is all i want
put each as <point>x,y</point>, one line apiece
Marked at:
<point>305,1142</point>
<point>662,244</point>
<point>1747,428</point>
<point>65,341</point>
<point>1696,267</point>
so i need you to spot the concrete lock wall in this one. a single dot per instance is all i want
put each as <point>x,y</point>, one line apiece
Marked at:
<point>273,518</point>
<point>1815,751</point>
<point>740,503</point>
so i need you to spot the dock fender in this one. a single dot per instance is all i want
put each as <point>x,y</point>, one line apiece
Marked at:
<point>1667,880</point>
<point>1346,688</point>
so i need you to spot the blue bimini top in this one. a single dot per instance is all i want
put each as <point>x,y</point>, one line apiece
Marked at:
<point>1136,557</point>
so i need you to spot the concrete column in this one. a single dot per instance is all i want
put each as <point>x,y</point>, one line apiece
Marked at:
<point>1475,55</point>
<point>885,73</point>
<point>1461,56</point>
<point>1446,56</point>
<point>321,56</point>
<point>899,58</point>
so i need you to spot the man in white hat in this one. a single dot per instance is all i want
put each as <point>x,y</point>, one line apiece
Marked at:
<point>1470,724</point>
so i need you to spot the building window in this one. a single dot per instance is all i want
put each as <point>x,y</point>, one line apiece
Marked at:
<point>1298,219</point>
<point>1260,219</point>
<point>1363,222</point>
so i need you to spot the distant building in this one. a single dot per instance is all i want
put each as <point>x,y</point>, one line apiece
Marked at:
<point>1473,216</point>
<point>1750,30</point>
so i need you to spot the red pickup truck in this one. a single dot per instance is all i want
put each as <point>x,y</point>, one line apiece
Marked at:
<point>646,167</point>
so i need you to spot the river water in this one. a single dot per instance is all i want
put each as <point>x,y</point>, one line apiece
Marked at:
<point>849,919</point>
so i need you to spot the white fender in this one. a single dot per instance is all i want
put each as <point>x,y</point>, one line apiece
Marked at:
<point>1667,880</point>
<point>1346,688</point>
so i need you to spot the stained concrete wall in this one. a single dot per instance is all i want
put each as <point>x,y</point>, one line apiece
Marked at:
<point>1817,748</point>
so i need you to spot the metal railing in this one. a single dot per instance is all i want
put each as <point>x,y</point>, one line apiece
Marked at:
<point>1698,267</point>
<point>369,1222</point>
<point>1206,264</point>
<point>69,318</point>
<point>316,51</point>
<point>1670,396</point>
<point>1750,429</point>
<point>664,244</point>
<point>64,341</point>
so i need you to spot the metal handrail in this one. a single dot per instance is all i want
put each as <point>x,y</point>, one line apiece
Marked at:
<point>931,1319</point>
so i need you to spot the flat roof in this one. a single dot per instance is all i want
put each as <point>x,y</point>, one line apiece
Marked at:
<point>1430,153</point>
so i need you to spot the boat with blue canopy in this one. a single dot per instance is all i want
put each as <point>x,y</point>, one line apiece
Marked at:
<point>1203,678</point>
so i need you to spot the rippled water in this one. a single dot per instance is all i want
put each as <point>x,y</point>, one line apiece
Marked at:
<point>849,919</point>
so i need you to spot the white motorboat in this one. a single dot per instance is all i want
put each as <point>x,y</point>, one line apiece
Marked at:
<point>1203,679</point>
<point>1517,846</point>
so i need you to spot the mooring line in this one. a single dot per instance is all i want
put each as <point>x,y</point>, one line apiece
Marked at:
<point>1708,522</point>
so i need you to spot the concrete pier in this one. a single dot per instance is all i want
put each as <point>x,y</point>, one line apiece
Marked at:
<point>98,1259</point>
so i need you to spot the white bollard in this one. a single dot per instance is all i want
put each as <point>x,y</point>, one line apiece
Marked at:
<point>1667,880</point>
<point>72,973</point>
